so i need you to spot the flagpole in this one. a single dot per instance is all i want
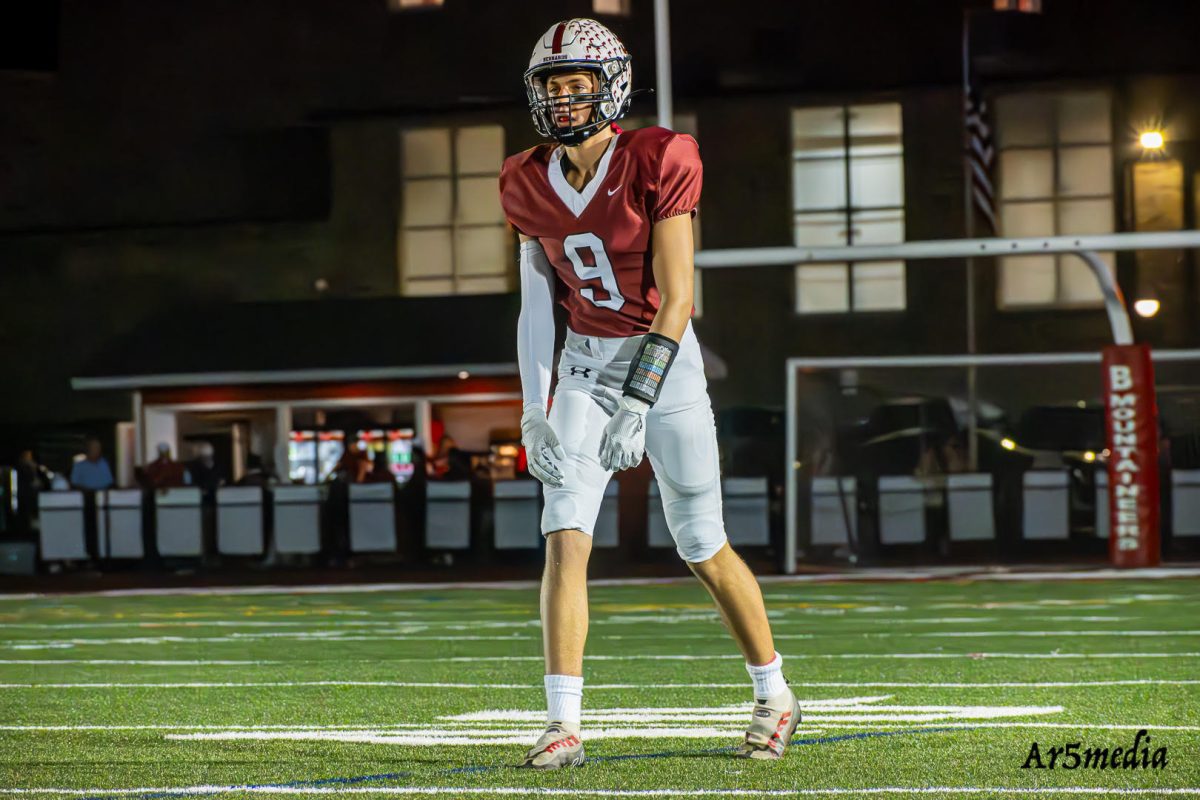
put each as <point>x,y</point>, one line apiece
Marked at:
<point>969,212</point>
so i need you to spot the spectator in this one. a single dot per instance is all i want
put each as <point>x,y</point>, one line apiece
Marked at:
<point>32,478</point>
<point>164,472</point>
<point>255,474</point>
<point>92,472</point>
<point>206,475</point>
<point>449,463</point>
<point>352,467</point>
<point>380,473</point>
<point>419,459</point>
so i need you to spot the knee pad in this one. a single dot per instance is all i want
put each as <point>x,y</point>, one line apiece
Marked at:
<point>694,518</point>
<point>561,512</point>
<point>700,540</point>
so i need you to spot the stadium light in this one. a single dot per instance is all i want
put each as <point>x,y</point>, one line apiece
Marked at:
<point>1152,140</point>
<point>1089,456</point>
<point>1146,307</point>
<point>1008,444</point>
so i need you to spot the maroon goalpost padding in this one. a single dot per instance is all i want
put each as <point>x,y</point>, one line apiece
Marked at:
<point>1131,423</point>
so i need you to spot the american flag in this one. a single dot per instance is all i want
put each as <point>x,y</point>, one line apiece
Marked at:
<point>981,157</point>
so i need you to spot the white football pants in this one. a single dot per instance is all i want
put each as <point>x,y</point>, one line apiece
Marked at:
<point>681,441</point>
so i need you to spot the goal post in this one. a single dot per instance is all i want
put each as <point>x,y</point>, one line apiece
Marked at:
<point>1130,420</point>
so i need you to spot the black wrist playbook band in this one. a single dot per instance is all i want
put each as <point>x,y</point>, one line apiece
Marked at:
<point>649,367</point>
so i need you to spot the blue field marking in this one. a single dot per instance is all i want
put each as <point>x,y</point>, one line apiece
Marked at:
<point>816,740</point>
<point>489,767</point>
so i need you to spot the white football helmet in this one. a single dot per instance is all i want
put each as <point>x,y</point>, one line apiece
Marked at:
<point>571,46</point>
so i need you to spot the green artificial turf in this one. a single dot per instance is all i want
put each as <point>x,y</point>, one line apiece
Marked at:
<point>117,726</point>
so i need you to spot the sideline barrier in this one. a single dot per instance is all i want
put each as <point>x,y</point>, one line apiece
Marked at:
<point>448,515</point>
<point>657,532</point>
<point>297,518</point>
<point>62,526</point>
<point>1103,519</point>
<point>607,532</point>
<point>746,507</point>
<point>240,520</point>
<point>1045,514</point>
<point>179,522</point>
<point>828,517</point>
<point>1185,501</point>
<point>971,514</point>
<point>517,516</point>
<point>119,523</point>
<point>902,509</point>
<point>373,517</point>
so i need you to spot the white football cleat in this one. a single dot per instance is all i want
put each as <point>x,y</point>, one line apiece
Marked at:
<point>771,728</point>
<point>560,746</point>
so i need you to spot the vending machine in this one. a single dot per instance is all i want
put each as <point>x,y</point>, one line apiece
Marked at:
<point>331,445</point>
<point>302,457</point>
<point>400,453</point>
<point>313,455</point>
<point>394,444</point>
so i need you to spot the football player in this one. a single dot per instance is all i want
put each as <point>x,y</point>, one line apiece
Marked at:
<point>604,218</point>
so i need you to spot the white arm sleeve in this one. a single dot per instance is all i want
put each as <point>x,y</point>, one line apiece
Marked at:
<point>535,325</point>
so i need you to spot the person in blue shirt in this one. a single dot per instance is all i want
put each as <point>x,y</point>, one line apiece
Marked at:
<point>93,472</point>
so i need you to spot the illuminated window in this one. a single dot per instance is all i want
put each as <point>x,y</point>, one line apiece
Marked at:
<point>1158,206</point>
<point>452,235</point>
<point>1055,177</point>
<point>617,8</point>
<point>412,5</point>
<point>848,189</point>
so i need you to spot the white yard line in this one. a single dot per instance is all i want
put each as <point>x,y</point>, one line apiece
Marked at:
<point>461,737</point>
<point>1102,726</point>
<point>216,623</point>
<point>630,657</point>
<point>568,792</point>
<point>133,662</point>
<point>896,574</point>
<point>451,725</point>
<point>647,657</point>
<point>604,686</point>
<point>1035,633</point>
<point>338,636</point>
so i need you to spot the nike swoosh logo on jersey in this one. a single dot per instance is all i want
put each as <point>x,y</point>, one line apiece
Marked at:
<point>611,192</point>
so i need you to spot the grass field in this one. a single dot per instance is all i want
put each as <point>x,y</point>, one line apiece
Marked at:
<point>934,687</point>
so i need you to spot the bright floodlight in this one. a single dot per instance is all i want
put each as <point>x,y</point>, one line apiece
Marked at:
<point>1152,140</point>
<point>1008,444</point>
<point>1146,307</point>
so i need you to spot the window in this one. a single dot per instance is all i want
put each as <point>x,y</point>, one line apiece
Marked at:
<point>1158,206</point>
<point>848,189</point>
<point>683,123</point>
<point>453,238</point>
<point>412,5</point>
<point>616,8</point>
<point>1055,178</point>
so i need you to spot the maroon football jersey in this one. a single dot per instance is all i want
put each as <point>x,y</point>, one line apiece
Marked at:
<point>598,240</point>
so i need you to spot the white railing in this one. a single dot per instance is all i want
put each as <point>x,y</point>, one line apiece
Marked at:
<point>1086,247</point>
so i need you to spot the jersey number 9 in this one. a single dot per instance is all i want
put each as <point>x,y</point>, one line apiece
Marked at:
<point>602,269</point>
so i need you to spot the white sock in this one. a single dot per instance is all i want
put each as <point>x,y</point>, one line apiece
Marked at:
<point>564,698</point>
<point>768,678</point>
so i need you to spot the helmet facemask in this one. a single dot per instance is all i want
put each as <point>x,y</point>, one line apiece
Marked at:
<point>612,81</point>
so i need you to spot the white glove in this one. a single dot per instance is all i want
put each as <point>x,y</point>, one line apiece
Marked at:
<point>542,449</point>
<point>624,439</point>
